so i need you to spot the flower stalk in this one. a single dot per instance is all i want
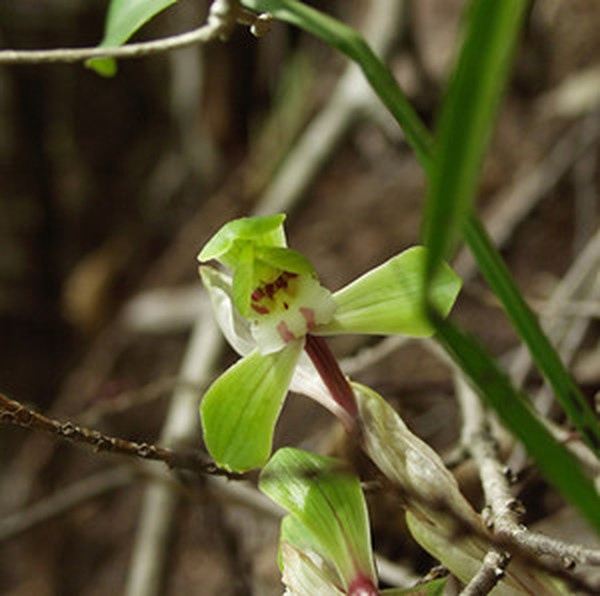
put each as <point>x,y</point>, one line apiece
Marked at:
<point>329,370</point>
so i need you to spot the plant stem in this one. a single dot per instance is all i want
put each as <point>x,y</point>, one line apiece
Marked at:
<point>330,372</point>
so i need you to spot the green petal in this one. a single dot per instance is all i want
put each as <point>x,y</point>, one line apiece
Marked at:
<point>328,503</point>
<point>388,299</point>
<point>261,230</point>
<point>123,19</point>
<point>241,407</point>
<point>243,279</point>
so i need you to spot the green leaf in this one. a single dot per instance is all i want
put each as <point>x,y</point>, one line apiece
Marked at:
<point>241,407</point>
<point>434,587</point>
<point>466,121</point>
<point>261,230</point>
<point>285,259</point>
<point>555,462</point>
<point>123,19</point>
<point>328,503</point>
<point>388,299</point>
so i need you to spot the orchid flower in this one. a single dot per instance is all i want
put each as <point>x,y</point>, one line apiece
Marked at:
<point>269,303</point>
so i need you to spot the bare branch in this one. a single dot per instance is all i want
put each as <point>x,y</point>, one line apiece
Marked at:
<point>14,413</point>
<point>222,17</point>
<point>490,573</point>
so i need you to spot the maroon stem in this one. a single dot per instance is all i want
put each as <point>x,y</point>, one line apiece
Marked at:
<point>331,374</point>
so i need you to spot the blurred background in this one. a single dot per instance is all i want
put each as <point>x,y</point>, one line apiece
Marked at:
<point>109,187</point>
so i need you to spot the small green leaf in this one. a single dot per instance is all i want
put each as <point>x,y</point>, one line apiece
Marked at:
<point>262,230</point>
<point>435,587</point>
<point>123,19</point>
<point>285,259</point>
<point>241,407</point>
<point>388,299</point>
<point>105,67</point>
<point>328,503</point>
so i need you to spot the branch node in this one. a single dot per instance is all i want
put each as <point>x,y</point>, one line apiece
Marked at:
<point>516,506</point>
<point>511,476</point>
<point>261,25</point>
<point>568,563</point>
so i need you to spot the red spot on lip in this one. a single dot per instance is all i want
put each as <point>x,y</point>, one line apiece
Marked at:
<point>284,332</point>
<point>309,317</point>
<point>261,310</point>
<point>257,294</point>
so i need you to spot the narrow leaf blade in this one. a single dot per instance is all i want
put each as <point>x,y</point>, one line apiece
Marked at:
<point>555,462</point>
<point>466,121</point>
<point>567,392</point>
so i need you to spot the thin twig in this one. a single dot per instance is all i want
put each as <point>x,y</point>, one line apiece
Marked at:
<point>16,414</point>
<point>489,574</point>
<point>503,511</point>
<point>222,17</point>
<point>568,288</point>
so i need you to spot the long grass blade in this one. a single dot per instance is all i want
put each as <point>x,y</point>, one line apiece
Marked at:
<point>466,120</point>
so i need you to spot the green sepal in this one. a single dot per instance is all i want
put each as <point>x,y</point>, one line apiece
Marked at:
<point>241,407</point>
<point>264,230</point>
<point>388,300</point>
<point>328,503</point>
<point>123,19</point>
<point>285,259</point>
